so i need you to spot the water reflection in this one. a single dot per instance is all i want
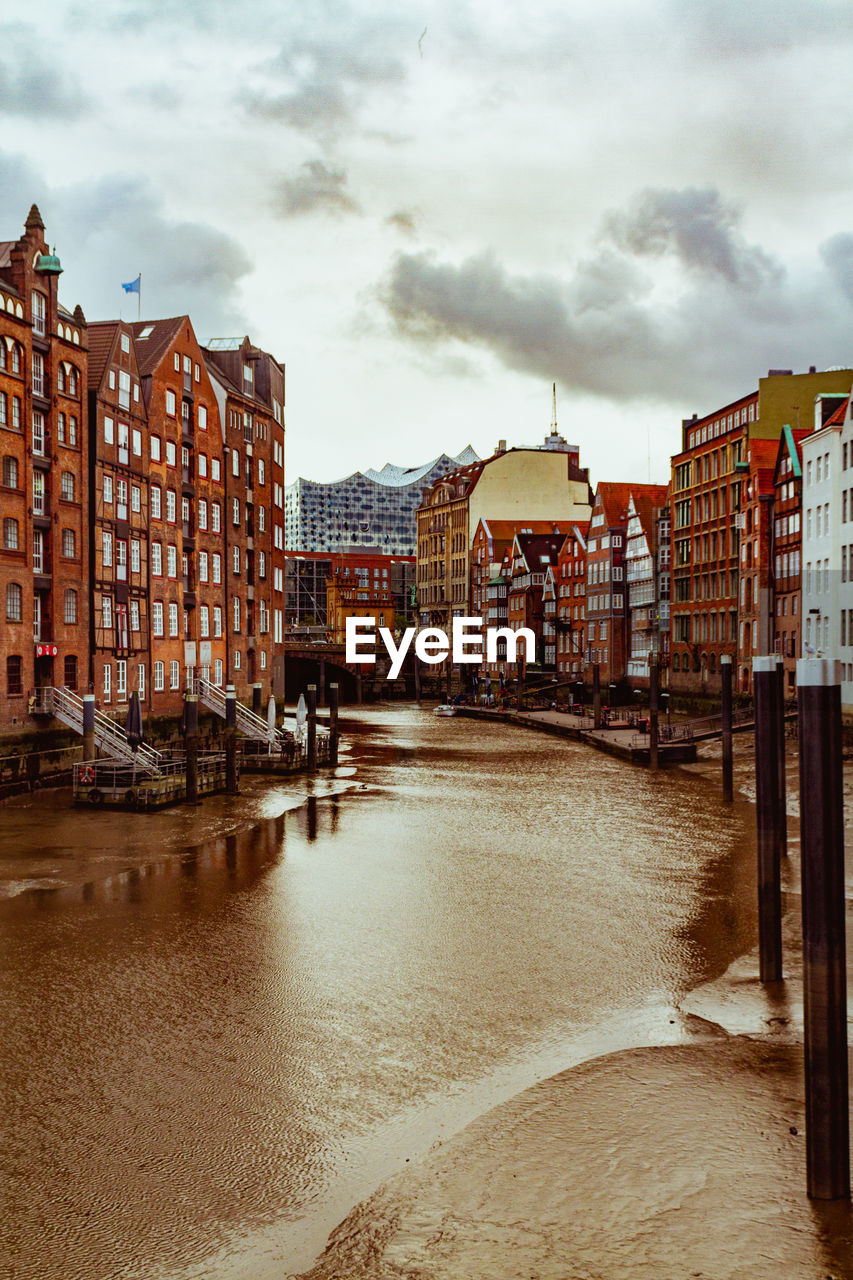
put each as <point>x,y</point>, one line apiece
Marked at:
<point>197,1044</point>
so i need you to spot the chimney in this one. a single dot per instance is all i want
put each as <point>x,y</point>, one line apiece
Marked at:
<point>812,369</point>
<point>501,447</point>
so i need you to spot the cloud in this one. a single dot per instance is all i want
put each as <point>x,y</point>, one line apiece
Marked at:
<point>611,328</point>
<point>317,188</point>
<point>402,220</point>
<point>699,227</point>
<point>32,87</point>
<point>108,230</point>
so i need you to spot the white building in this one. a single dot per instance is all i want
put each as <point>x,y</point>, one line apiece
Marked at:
<point>827,531</point>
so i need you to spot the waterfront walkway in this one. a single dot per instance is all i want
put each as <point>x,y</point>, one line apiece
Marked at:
<point>617,739</point>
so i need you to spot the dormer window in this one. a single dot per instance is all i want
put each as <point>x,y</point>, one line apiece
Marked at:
<point>39,312</point>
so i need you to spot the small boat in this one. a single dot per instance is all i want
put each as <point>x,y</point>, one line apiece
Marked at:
<point>444,710</point>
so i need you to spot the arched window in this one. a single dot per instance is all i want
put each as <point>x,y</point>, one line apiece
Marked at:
<point>10,533</point>
<point>676,662</point>
<point>60,378</point>
<point>16,361</point>
<point>70,605</point>
<point>70,671</point>
<point>10,471</point>
<point>14,602</point>
<point>14,674</point>
<point>68,486</point>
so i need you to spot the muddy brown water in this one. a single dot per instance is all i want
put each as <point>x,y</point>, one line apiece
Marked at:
<point>222,1028</point>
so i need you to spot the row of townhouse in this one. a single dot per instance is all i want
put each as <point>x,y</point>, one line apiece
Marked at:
<point>142,501</point>
<point>748,549</point>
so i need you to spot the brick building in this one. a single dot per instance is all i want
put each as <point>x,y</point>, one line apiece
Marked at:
<point>120,641</point>
<point>531,556</point>
<point>307,574</point>
<point>606,607</point>
<point>641,576</point>
<point>249,386</point>
<point>351,597</point>
<point>44,551</point>
<point>755,593</point>
<point>787,548</point>
<point>570,591</point>
<point>188,600</point>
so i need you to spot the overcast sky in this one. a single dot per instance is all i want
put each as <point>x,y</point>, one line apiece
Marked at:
<point>430,212</point>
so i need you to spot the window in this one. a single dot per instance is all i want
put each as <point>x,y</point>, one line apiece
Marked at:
<point>14,675</point>
<point>215,470</point>
<point>121,679</point>
<point>217,567</point>
<point>157,618</point>
<point>135,498</point>
<point>261,479</point>
<point>10,534</point>
<point>235,511</point>
<point>170,505</point>
<point>136,436</point>
<point>202,566</point>
<point>173,619</point>
<point>108,682</point>
<point>171,453</point>
<point>215,517</point>
<point>202,464</point>
<point>154,446</point>
<point>185,510</point>
<point>4,403</point>
<point>235,559</point>
<point>134,615</point>
<point>135,557</point>
<point>202,411</point>
<point>38,434</point>
<point>155,501</point>
<point>236,605</point>
<point>202,513</point>
<point>72,430</point>
<point>39,312</point>
<point>235,462</point>
<point>170,402</point>
<point>140,679</point>
<point>67,487</point>
<point>69,544</point>
<point>14,602</point>
<point>108,490</point>
<point>217,620</point>
<point>156,559</point>
<point>204,621</point>
<point>217,672</point>
<point>38,374</point>
<point>159,676</point>
<point>174,675</point>
<point>262,519</point>
<point>237,660</point>
<point>171,561</point>
<point>16,414</point>
<point>106,613</point>
<point>70,614</point>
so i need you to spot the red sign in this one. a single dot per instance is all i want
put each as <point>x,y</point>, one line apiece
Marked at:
<point>46,651</point>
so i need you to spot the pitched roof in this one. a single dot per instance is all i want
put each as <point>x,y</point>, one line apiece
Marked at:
<point>539,548</point>
<point>151,349</point>
<point>647,498</point>
<point>839,415</point>
<point>102,336</point>
<point>614,501</point>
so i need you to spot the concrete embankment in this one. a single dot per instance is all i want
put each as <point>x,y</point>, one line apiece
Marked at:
<point>624,742</point>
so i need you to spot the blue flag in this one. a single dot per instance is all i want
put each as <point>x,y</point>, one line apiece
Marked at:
<point>133,287</point>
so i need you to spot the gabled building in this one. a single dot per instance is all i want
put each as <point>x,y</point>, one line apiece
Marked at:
<point>44,549</point>
<point>641,576</point>
<point>249,387</point>
<point>570,587</point>
<point>786,552</point>
<point>120,641</point>
<point>187,513</point>
<point>826,534</point>
<point>492,538</point>
<point>531,557</point>
<point>606,608</point>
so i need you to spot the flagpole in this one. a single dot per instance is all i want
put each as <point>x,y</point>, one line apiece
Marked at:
<point>139,298</point>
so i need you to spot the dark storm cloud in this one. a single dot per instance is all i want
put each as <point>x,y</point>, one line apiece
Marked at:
<point>610,328</point>
<point>108,230</point>
<point>31,86</point>
<point>316,189</point>
<point>699,227</point>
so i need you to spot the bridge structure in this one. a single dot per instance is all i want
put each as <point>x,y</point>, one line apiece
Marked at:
<point>321,662</point>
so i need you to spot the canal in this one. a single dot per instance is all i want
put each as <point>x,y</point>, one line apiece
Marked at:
<point>222,1028</point>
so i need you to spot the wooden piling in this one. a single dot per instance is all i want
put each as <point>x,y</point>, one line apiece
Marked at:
<point>257,691</point>
<point>728,762</point>
<point>824,952</point>
<point>782,797</point>
<point>596,696</point>
<point>231,741</point>
<point>89,726</point>
<point>333,725</point>
<point>191,741</point>
<point>654,676</point>
<point>311,700</point>
<point>767,819</point>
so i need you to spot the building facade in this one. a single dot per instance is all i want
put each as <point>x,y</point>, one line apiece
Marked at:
<point>367,509</point>
<point>44,555</point>
<point>642,577</point>
<point>786,552</point>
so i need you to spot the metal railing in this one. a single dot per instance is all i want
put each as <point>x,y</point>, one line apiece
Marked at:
<point>109,735</point>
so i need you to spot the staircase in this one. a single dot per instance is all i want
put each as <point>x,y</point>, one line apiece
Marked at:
<point>109,736</point>
<point>250,725</point>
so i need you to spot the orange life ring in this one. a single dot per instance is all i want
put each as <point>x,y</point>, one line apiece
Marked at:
<point>87,774</point>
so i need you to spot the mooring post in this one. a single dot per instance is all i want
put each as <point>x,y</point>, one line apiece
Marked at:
<point>231,740</point>
<point>311,701</point>
<point>782,820</point>
<point>596,696</point>
<point>257,690</point>
<point>728,764</point>
<point>88,726</point>
<point>333,725</point>
<point>191,741</point>
<point>653,711</point>
<point>824,957</point>
<point>321,680</point>
<point>417,670</point>
<point>448,672</point>
<point>767,820</point>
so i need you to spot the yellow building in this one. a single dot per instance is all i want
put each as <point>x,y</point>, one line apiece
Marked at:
<point>516,485</point>
<point>355,597</point>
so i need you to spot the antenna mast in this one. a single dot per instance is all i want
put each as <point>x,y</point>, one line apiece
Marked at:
<point>554,414</point>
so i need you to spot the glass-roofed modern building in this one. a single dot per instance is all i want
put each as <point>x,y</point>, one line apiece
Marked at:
<point>368,509</point>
